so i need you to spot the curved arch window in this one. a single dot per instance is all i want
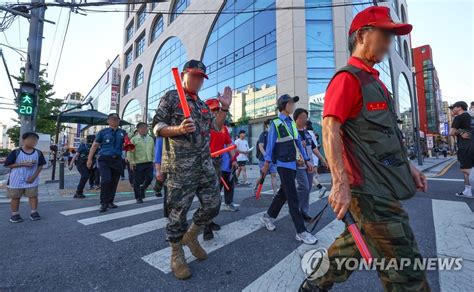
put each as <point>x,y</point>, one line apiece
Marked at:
<point>157,28</point>
<point>404,14</point>
<point>241,53</point>
<point>133,112</point>
<point>178,7</point>
<point>406,53</point>
<point>127,85</point>
<point>139,75</point>
<point>171,54</point>
<point>395,6</point>
<point>405,109</point>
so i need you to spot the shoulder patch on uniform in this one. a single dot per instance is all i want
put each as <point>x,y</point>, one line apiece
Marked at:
<point>376,106</point>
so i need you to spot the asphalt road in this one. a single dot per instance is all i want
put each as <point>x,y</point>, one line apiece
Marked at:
<point>59,253</point>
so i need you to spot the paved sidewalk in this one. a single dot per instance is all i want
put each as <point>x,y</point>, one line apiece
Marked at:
<point>51,191</point>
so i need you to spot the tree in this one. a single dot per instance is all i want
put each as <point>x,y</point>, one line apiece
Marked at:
<point>47,106</point>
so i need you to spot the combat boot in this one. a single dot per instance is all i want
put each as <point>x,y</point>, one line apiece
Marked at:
<point>190,239</point>
<point>178,263</point>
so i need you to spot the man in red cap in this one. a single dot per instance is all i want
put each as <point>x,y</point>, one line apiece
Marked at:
<point>369,167</point>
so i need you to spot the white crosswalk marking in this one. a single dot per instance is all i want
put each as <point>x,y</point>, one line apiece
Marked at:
<point>96,208</point>
<point>287,274</point>
<point>228,234</point>
<point>453,223</point>
<point>138,229</point>
<point>118,215</point>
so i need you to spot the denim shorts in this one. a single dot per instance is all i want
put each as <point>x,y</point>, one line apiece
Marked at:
<point>272,169</point>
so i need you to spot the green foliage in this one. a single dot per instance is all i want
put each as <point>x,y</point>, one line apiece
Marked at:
<point>244,120</point>
<point>4,152</point>
<point>47,106</point>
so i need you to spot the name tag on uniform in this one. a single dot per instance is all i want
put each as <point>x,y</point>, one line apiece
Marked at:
<point>376,106</point>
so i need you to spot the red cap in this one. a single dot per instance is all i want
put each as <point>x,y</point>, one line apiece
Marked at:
<point>213,103</point>
<point>378,16</point>
<point>196,71</point>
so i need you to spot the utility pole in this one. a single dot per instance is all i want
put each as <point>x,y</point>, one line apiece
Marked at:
<point>32,68</point>
<point>416,112</point>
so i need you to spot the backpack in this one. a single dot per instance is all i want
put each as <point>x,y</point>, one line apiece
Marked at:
<point>258,152</point>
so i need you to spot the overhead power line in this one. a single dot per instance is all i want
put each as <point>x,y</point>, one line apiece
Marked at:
<point>81,6</point>
<point>62,46</point>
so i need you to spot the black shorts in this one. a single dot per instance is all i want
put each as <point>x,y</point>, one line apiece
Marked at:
<point>241,163</point>
<point>464,159</point>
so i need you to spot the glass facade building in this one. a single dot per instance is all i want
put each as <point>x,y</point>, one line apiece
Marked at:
<point>171,54</point>
<point>241,53</point>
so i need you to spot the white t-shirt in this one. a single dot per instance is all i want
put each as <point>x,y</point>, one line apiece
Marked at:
<point>315,158</point>
<point>242,145</point>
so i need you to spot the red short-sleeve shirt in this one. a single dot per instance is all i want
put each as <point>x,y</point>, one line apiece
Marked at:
<point>219,139</point>
<point>343,98</point>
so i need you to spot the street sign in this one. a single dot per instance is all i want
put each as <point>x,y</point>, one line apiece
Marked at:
<point>27,99</point>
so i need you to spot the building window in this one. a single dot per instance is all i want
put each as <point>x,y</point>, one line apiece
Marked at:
<point>129,32</point>
<point>157,28</point>
<point>405,110</point>
<point>178,7</point>
<point>153,5</point>
<point>141,15</point>
<point>395,6</point>
<point>139,75</point>
<point>139,46</point>
<point>397,44</point>
<point>241,53</point>
<point>127,85</point>
<point>172,54</point>
<point>128,58</point>
<point>404,14</point>
<point>406,53</point>
<point>132,114</point>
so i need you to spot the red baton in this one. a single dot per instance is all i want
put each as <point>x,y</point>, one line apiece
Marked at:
<point>224,184</point>
<point>222,151</point>
<point>181,94</point>
<point>359,241</point>
<point>259,189</point>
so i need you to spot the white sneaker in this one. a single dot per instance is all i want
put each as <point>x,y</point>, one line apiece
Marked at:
<point>464,195</point>
<point>230,207</point>
<point>268,222</point>
<point>322,192</point>
<point>306,237</point>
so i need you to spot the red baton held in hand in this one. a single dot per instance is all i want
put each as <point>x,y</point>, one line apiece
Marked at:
<point>222,151</point>
<point>181,94</point>
<point>359,241</point>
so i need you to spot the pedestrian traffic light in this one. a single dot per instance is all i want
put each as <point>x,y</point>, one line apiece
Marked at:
<point>27,99</point>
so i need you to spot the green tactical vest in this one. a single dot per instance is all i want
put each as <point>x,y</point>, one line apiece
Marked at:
<point>285,149</point>
<point>373,143</point>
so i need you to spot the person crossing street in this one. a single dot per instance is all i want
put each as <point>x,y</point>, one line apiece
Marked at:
<point>188,164</point>
<point>369,166</point>
<point>141,161</point>
<point>284,148</point>
<point>111,141</point>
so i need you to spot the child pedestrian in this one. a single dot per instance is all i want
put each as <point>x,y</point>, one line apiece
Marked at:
<point>25,165</point>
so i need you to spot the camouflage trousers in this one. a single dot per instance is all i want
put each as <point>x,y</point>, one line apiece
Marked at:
<point>182,187</point>
<point>386,230</point>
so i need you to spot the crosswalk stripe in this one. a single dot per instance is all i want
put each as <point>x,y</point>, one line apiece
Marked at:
<point>444,179</point>
<point>138,229</point>
<point>96,208</point>
<point>118,215</point>
<point>454,238</point>
<point>287,274</point>
<point>228,234</point>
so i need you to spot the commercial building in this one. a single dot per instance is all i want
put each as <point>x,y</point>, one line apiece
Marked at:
<point>255,47</point>
<point>71,134</point>
<point>428,91</point>
<point>105,94</point>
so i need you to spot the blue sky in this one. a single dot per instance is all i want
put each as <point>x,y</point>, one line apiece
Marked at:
<point>446,25</point>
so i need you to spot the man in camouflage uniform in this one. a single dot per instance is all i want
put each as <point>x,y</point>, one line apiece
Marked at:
<point>187,162</point>
<point>368,161</point>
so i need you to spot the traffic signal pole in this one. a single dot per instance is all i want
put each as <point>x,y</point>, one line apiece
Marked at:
<point>32,67</point>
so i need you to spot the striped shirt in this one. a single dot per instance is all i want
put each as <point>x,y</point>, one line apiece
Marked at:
<point>18,175</point>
